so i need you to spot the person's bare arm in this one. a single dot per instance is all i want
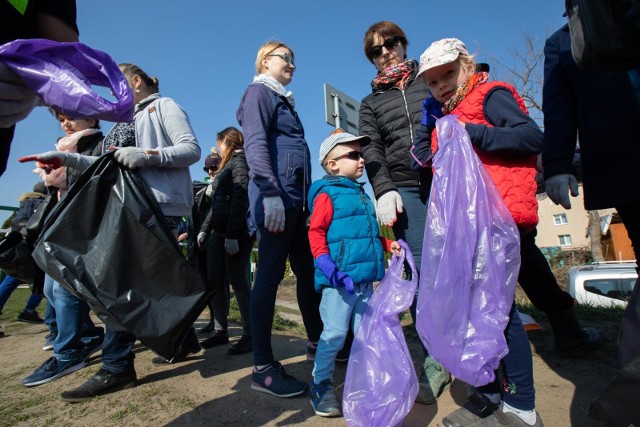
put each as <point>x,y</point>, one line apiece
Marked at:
<point>53,28</point>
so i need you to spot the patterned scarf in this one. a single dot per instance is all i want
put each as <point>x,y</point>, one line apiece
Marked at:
<point>474,80</point>
<point>276,86</point>
<point>396,75</point>
<point>123,134</point>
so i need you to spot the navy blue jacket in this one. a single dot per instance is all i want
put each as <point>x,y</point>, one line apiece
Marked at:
<point>600,107</point>
<point>277,153</point>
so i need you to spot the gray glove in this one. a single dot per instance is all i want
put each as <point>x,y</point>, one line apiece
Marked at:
<point>16,99</point>
<point>231,246</point>
<point>135,157</point>
<point>48,160</point>
<point>274,214</point>
<point>558,187</point>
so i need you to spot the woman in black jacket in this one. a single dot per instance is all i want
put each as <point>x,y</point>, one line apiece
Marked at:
<point>390,115</point>
<point>229,246</point>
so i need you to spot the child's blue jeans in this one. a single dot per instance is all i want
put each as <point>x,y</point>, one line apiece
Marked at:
<point>338,310</point>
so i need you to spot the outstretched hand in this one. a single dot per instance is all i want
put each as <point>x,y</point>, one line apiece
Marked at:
<point>49,160</point>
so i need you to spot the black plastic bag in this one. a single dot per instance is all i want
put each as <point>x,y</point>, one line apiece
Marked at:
<point>15,257</point>
<point>108,242</point>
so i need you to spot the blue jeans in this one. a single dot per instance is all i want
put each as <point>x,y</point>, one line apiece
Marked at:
<point>117,354</point>
<point>273,249</point>
<point>338,310</point>
<point>222,266</point>
<point>10,284</point>
<point>517,368</point>
<point>76,330</point>
<point>410,228</point>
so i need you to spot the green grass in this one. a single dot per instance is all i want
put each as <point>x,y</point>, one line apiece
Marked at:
<point>16,304</point>
<point>585,313</point>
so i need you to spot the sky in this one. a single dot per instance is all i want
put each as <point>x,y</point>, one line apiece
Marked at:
<point>203,54</point>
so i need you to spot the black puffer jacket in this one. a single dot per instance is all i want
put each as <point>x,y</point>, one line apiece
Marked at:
<point>390,118</point>
<point>230,202</point>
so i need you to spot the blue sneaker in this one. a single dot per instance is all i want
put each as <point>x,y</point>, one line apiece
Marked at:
<point>89,350</point>
<point>52,369</point>
<point>274,380</point>
<point>324,400</point>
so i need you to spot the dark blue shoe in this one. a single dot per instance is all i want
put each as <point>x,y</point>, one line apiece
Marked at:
<point>51,370</point>
<point>49,340</point>
<point>274,380</point>
<point>324,400</point>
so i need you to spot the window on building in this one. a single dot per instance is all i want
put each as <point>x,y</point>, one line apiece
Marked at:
<point>564,240</point>
<point>560,219</point>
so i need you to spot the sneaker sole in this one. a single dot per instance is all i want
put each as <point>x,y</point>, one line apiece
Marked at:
<point>47,347</point>
<point>33,322</point>
<point>58,375</point>
<point>335,412</point>
<point>258,387</point>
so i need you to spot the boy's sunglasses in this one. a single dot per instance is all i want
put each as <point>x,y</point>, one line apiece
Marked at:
<point>209,169</point>
<point>353,155</point>
<point>390,43</point>
<point>286,57</point>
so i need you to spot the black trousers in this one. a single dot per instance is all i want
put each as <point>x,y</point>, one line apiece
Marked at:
<point>537,279</point>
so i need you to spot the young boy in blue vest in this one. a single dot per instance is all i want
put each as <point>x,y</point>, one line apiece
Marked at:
<point>348,251</point>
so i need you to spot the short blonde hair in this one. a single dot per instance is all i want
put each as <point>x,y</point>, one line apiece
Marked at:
<point>266,49</point>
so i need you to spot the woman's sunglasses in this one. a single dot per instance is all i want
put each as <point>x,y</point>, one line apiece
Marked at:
<point>286,57</point>
<point>353,155</point>
<point>209,169</point>
<point>390,43</point>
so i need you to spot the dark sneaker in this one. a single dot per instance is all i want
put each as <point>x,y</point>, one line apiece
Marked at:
<point>478,406</point>
<point>243,346</point>
<point>274,380</point>
<point>183,354</point>
<point>324,400</point>
<point>219,338</point>
<point>575,347</point>
<point>311,350</point>
<point>103,382</point>
<point>49,339</point>
<point>29,317</point>
<point>207,329</point>
<point>52,369</point>
<point>433,381</point>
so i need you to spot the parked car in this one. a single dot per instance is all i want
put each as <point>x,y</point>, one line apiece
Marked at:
<point>603,284</point>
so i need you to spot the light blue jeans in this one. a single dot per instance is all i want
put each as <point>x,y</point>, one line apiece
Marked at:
<point>338,310</point>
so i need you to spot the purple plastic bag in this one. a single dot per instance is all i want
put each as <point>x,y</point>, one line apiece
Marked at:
<point>381,383</point>
<point>61,74</point>
<point>470,262</point>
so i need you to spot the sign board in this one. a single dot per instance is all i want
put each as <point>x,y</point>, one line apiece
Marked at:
<point>340,110</point>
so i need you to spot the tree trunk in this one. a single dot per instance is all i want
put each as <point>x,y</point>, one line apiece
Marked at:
<point>595,236</point>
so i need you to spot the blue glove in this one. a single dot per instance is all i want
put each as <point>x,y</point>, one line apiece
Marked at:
<point>431,110</point>
<point>335,276</point>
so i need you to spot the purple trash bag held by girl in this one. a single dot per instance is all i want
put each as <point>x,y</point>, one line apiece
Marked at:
<point>470,262</point>
<point>62,73</point>
<point>381,383</point>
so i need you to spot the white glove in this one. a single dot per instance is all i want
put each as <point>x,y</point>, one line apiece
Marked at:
<point>558,187</point>
<point>388,207</point>
<point>231,246</point>
<point>134,157</point>
<point>16,99</point>
<point>273,214</point>
<point>201,238</point>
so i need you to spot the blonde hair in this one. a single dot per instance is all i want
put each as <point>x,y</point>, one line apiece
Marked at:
<point>468,63</point>
<point>265,50</point>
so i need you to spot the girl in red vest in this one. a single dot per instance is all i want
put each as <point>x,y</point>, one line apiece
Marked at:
<point>507,141</point>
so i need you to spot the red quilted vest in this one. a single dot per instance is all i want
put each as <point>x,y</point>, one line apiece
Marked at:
<point>514,176</point>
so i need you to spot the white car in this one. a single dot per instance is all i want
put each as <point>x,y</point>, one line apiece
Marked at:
<point>603,284</point>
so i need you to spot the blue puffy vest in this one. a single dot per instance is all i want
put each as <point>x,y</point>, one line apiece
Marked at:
<point>353,236</point>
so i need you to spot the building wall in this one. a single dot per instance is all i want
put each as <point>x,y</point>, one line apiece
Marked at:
<point>577,222</point>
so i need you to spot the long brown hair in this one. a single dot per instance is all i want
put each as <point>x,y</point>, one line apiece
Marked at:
<point>233,139</point>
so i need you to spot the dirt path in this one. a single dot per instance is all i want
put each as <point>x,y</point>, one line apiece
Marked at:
<point>212,389</point>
